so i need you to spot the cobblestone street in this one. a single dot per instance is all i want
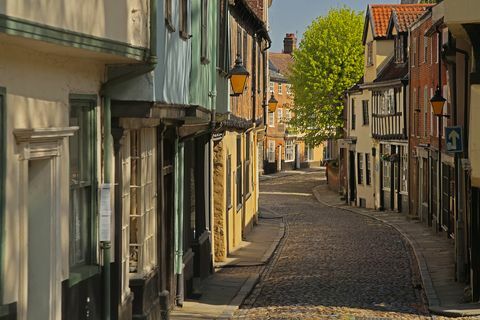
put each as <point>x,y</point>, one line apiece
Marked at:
<point>331,264</point>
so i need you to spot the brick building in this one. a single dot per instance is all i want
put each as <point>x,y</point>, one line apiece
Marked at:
<point>424,128</point>
<point>284,147</point>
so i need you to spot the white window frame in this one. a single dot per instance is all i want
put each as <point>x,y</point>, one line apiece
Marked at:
<point>310,154</point>
<point>125,223</point>
<point>271,151</point>
<point>271,119</point>
<point>289,88</point>
<point>279,115</point>
<point>146,211</point>
<point>288,115</point>
<point>272,87</point>
<point>280,90</point>
<point>289,151</point>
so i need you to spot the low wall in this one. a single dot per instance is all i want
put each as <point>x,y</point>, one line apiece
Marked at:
<point>333,178</point>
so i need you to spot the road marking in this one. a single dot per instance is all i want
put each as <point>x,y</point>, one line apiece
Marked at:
<point>288,194</point>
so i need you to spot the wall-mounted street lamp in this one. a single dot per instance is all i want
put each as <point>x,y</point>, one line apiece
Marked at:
<point>438,102</point>
<point>238,76</point>
<point>272,103</point>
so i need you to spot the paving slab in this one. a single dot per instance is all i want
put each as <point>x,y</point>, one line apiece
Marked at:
<point>225,290</point>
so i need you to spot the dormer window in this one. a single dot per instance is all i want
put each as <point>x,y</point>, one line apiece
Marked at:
<point>399,49</point>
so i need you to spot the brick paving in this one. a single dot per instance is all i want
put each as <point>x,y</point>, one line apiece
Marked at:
<point>332,264</point>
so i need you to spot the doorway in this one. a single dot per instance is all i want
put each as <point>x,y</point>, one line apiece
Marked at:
<point>40,244</point>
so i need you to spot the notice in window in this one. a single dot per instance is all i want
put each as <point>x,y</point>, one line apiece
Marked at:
<point>105,212</point>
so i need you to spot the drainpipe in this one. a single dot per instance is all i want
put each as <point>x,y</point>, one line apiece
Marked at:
<point>254,78</point>
<point>265,86</point>
<point>108,145</point>
<point>179,169</point>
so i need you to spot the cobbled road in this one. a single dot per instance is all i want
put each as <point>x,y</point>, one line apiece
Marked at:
<point>331,263</point>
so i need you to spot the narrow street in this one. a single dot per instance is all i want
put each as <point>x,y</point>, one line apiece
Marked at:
<point>331,263</point>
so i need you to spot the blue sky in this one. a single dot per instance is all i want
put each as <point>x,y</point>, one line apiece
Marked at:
<point>294,16</point>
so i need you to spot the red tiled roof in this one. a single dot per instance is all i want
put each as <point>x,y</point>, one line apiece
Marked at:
<point>380,14</point>
<point>282,61</point>
<point>404,19</point>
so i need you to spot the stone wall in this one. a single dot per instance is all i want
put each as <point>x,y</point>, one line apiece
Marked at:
<point>219,227</point>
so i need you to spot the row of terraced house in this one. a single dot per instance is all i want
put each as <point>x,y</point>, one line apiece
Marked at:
<point>129,150</point>
<point>410,136</point>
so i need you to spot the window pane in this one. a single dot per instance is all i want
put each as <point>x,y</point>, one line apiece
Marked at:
<point>81,187</point>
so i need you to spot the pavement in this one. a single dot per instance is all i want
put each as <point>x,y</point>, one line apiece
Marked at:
<point>433,252</point>
<point>225,290</point>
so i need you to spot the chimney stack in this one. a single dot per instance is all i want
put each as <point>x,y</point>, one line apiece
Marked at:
<point>289,43</point>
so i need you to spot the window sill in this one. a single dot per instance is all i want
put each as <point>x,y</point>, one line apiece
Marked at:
<point>184,35</point>
<point>81,273</point>
<point>248,196</point>
<point>289,160</point>
<point>239,207</point>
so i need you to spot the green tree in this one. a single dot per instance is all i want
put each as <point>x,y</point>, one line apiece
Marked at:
<point>328,61</point>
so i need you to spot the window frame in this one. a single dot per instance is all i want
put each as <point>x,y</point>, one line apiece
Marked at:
<point>3,152</point>
<point>183,20</point>
<point>271,151</point>
<point>414,52</point>
<point>359,168</point>
<point>168,11</point>
<point>146,142</point>
<point>248,162</point>
<point>229,182</point>
<point>366,118</point>
<point>370,54</point>
<point>271,119</point>
<point>272,87</point>
<point>204,52</point>
<point>426,104</point>
<point>223,63</point>
<point>81,270</point>
<point>289,151</point>
<point>425,49</point>
<point>368,171</point>
<point>279,115</point>
<point>245,48</point>
<point>239,169</point>
<point>280,89</point>
<point>352,116</point>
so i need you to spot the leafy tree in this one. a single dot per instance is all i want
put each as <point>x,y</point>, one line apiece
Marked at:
<point>328,61</point>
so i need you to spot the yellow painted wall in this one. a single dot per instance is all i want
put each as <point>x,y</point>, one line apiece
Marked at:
<point>474,142</point>
<point>382,49</point>
<point>38,87</point>
<point>240,217</point>
<point>121,20</point>
<point>364,143</point>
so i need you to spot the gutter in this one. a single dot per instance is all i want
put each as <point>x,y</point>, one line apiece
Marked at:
<point>108,143</point>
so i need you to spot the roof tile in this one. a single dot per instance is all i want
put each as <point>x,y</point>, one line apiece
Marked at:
<point>380,14</point>
<point>282,62</point>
